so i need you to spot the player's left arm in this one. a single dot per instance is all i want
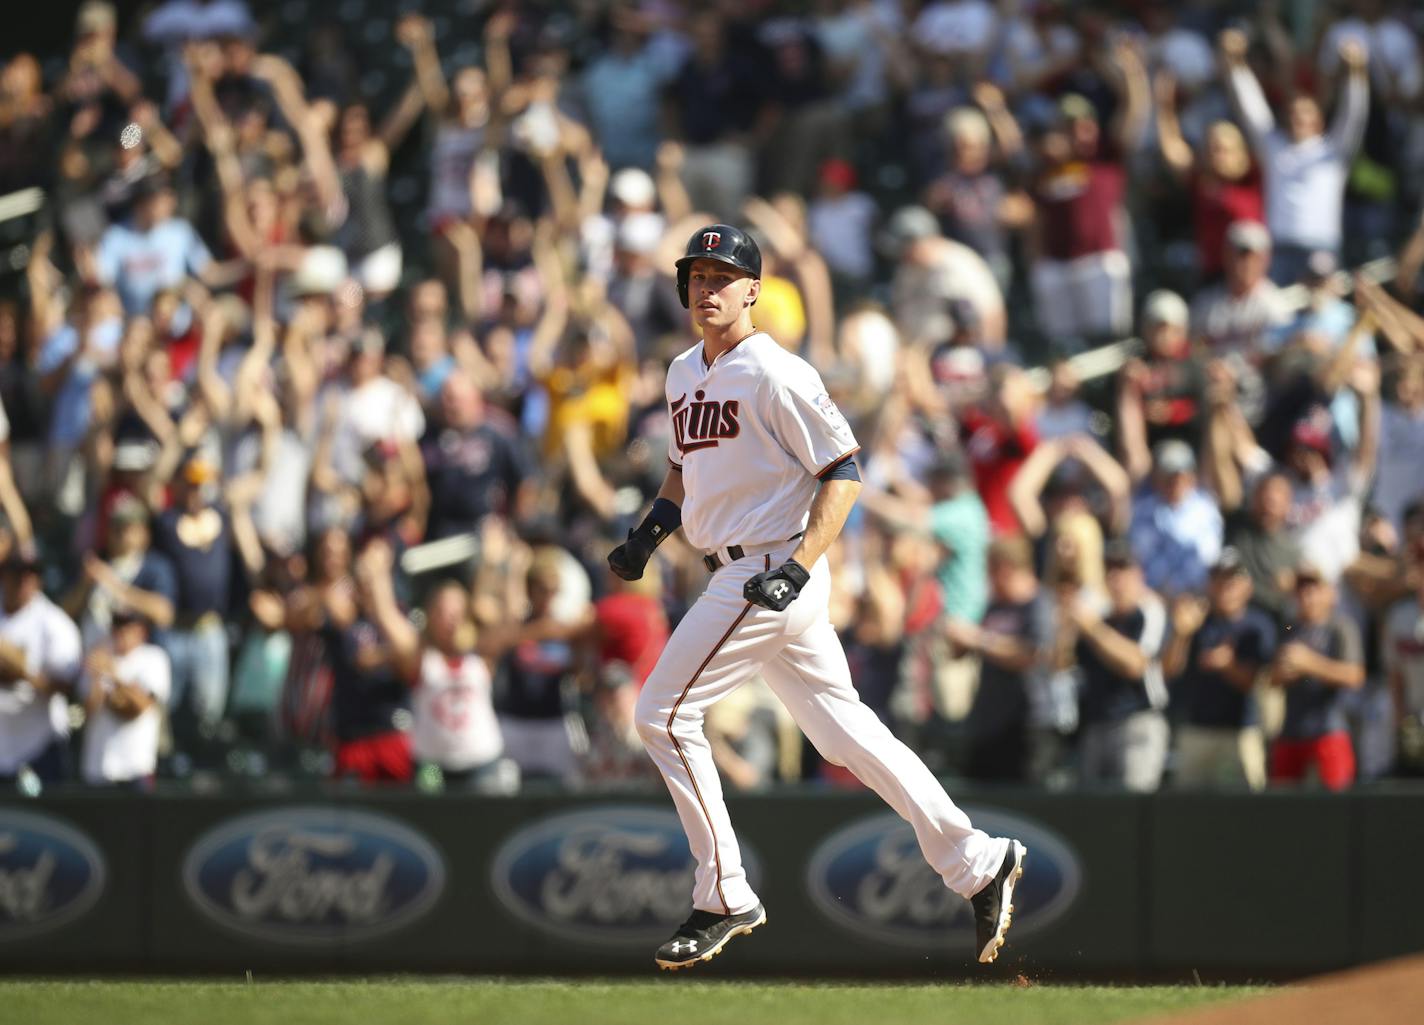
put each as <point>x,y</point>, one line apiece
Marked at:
<point>777,588</point>
<point>829,511</point>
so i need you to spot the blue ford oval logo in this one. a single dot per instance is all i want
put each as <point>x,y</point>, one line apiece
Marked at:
<point>871,878</point>
<point>312,875</point>
<point>50,873</point>
<point>617,874</point>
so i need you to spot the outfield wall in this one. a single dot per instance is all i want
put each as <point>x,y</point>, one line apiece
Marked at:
<point>1269,885</point>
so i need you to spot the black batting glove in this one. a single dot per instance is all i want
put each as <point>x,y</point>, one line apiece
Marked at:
<point>630,558</point>
<point>776,588</point>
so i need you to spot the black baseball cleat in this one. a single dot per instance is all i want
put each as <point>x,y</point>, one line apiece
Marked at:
<point>994,904</point>
<point>703,935</point>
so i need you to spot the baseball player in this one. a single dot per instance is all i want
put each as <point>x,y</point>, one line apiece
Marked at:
<point>762,478</point>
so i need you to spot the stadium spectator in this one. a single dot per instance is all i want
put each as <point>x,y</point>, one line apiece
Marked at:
<point>40,655</point>
<point>719,107</point>
<point>1397,483</point>
<point>1219,647</point>
<point>134,576</point>
<point>1176,527</point>
<point>1010,715</point>
<point>930,272</point>
<point>1081,276</point>
<point>998,436</point>
<point>1304,167</point>
<point>1224,182</point>
<point>536,673</point>
<point>1161,396</point>
<point>474,463</point>
<point>126,683</point>
<point>370,704</point>
<point>976,206</point>
<point>1123,733</point>
<point>453,725</point>
<point>196,537</point>
<point>1237,317</point>
<point>1050,496</point>
<point>1268,546</point>
<point>1320,663</point>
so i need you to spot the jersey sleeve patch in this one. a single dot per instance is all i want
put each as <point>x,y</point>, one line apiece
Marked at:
<point>830,410</point>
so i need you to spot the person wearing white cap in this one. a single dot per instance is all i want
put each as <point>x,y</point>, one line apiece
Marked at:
<point>1160,395</point>
<point>1236,319</point>
<point>636,289</point>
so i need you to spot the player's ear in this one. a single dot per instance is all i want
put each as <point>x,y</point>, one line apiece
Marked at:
<point>752,293</point>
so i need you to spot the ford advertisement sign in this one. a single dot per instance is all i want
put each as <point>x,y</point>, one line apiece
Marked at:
<point>871,878</point>
<point>50,874</point>
<point>313,875</point>
<point>619,874</point>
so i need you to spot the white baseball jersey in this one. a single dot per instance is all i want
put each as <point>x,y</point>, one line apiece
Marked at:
<point>751,434</point>
<point>28,721</point>
<point>117,750</point>
<point>455,725</point>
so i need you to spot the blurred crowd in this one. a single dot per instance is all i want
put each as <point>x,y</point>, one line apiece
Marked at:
<point>333,335</point>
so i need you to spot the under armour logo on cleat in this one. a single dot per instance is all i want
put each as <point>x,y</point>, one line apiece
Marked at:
<point>684,946</point>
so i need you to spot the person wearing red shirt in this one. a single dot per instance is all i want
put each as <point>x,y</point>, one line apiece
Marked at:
<point>998,436</point>
<point>1224,181</point>
<point>1081,277</point>
<point>631,625</point>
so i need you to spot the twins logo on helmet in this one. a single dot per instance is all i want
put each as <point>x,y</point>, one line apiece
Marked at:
<point>725,242</point>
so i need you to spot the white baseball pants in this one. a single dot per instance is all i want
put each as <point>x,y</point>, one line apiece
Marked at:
<point>721,643</point>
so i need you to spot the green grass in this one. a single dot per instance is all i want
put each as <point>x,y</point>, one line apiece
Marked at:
<point>661,1001</point>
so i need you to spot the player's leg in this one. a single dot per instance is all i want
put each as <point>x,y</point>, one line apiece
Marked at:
<point>811,677</point>
<point>717,646</point>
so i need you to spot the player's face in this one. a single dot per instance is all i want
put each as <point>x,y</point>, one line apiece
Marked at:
<point>719,292</point>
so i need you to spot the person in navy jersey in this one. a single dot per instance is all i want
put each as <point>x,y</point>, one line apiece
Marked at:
<point>1318,667</point>
<point>539,660</point>
<point>370,703</point>
<point>197,539</point>
<point>1218,649</point>
<point>1123,737</point>
<point>474,467</point>
<point>1012,643</point>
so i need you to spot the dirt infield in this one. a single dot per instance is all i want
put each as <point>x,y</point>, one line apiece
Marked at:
<point>1391,993</point>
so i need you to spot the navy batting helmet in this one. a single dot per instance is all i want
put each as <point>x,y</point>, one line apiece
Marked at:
<point>718,242</point>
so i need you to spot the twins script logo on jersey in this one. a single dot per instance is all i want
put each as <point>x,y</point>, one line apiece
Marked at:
<point>702,424</point>
<point>711,239</point>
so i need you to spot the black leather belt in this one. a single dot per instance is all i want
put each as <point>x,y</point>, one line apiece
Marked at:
<point>713,563</point>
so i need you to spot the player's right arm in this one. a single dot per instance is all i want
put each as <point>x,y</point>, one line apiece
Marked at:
<point>672,488</point>
<point>629,559</point>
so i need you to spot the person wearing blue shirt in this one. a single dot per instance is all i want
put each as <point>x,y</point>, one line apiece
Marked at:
<point>154,251</point>
<point>1176,526</point>
<point>1217,651</point>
